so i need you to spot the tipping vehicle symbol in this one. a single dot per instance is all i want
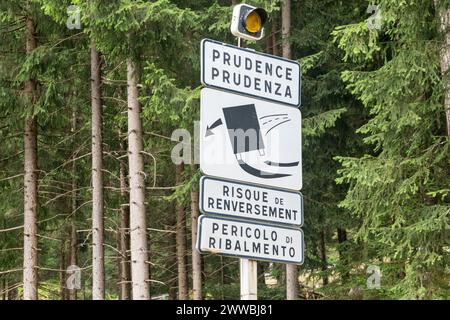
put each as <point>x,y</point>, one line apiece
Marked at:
<point>244,130</point>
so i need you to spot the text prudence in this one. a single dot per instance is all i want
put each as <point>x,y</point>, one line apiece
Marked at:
<point>252,73</point>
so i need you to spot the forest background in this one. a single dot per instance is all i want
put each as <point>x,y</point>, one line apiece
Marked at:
<point>87,111</point>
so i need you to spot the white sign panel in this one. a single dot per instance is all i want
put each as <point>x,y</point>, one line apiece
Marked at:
<point>250,240</point>
<point>244,71</point>
<point>243,200</point>
<point>250,140</point>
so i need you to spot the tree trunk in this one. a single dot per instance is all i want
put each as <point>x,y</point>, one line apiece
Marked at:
<point>445,62</point>
<point>171,262</point>
<point>222,278</point>
<point>30,243</point>
<point>291,270</point>
<point>5,290</point>
<point>286,27</point>
<point>342,237</point>
<point>323,256</point>
<point>124,239</point>
<point>73,252</point>
<point>5,287</point>
<point>275,50</point>
<point>62,268</point>
<point>268,49</point>
<point>196,258</point>
<point>73,239</point>
<point>181,240</point>
<point>138,231</point>
<point>13,293</point>
<point>98,267</point>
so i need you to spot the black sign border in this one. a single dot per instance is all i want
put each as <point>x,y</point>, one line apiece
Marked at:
<point>202,71</point>
<point>199,237</point>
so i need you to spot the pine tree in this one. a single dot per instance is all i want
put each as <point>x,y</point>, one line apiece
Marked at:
<point>30,245</point>
<point>98,268</point>
<point>399,190</point>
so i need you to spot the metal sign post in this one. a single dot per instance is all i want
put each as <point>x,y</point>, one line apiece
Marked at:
<point>249,279</point>
<point>248,268</point>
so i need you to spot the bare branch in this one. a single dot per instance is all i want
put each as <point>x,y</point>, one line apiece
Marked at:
<point>11,229</point>
<point>9,178</point>
<point>11,271</point>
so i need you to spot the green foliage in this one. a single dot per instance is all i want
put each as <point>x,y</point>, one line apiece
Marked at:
<point>167,103</point>
<point>317,125</point>
<point>398,191</point>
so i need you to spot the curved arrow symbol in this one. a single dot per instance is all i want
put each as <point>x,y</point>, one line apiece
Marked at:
<point>259,173</point>
<point>214,125</point>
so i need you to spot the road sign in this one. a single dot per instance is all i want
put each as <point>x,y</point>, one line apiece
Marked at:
<point>250,240</point>
<point>241,200</point>
<point>247,72</point>
<point>247,139</point>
